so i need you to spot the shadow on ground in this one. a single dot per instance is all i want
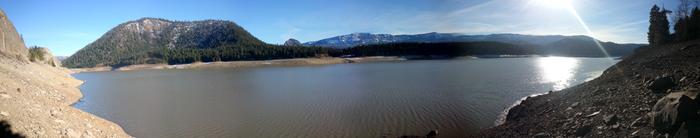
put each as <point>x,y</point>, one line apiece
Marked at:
<point>5,131</point>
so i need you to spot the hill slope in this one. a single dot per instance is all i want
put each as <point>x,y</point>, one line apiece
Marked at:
<point>138,37</point>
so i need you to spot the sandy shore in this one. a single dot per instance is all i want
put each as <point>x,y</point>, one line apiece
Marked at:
<point>239,64</point>
<point>35,100</point>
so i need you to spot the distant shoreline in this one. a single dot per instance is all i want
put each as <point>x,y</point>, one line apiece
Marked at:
<point>289,62</point>
<point>240,64</point>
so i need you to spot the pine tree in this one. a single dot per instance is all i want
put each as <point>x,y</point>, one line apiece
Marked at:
<point>658,26</point>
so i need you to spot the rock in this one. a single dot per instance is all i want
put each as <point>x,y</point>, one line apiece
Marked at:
<point>55,112</point>
<point>593,114</point>
<point>634,134</point>
<point>59,121</point>
<point>574,105</point>
<point>292,42</point>
<point>672,110</point>
<point>661,85</point>
<point>683,79</point>
<point>87,134</point>
<point>638,122</point>
<point>610,119</point>
<point>540,135</point>
<point>71,133</point>
<point>5,96</point>
<point>615,127</point>
<point>432,134</point>
<point>3,113</point>
<point>582,131</point>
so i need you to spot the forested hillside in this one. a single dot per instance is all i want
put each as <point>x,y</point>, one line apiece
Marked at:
<point>138,38</point>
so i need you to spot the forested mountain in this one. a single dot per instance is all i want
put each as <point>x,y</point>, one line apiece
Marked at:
<point>571,47</point>
<point>152,40</point>
<point>582,46</point>
<point>440,49</point>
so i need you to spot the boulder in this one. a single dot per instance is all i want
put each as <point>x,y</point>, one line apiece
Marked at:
<point>582,131</point>
<point>610,119</point>
<point>661,84</point>
<point>432,134</point>
<point>671,111</point>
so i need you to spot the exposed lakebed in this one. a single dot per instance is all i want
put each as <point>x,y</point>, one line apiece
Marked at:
<point>457,97</point>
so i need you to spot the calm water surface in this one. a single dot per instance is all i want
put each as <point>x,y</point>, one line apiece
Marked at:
<point>456,97</point>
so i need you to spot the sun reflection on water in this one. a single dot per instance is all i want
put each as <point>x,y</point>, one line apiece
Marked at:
<point>557,70</point>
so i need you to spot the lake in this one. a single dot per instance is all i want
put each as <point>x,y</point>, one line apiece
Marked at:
<point>456,97</point>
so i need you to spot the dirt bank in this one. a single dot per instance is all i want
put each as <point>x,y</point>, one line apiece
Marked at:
<point>614,105</point>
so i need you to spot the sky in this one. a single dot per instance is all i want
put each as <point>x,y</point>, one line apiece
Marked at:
<point>66,26</point>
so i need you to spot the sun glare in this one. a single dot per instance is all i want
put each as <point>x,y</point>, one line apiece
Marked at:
<point>553,3</point>
<point>557,70</point>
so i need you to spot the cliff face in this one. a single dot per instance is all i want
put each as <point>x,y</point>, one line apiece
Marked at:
<point>11,44</point>
<point>35,98</point>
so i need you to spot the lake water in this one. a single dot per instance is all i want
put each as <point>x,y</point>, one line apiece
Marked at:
<point>456,97</point>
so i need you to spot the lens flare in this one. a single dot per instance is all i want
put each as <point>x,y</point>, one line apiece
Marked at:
<point>590,33</point>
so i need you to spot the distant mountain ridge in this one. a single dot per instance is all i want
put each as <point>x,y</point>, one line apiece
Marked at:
<point>160,41</point>
<point>356,39</point>
<point>557,45</point>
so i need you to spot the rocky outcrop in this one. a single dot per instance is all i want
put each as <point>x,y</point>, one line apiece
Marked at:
<point>43,55</point>
<point>11,43</point>
<point>292,42</point>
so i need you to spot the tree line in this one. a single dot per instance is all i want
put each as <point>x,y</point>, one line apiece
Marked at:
<point>686,25</point>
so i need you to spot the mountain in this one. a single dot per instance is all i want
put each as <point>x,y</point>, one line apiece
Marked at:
<point>356,39</point>
<point>160,41</point>
<point>147,34</point>
<point>584,46</point>
<point>61,58</point>
<point>292,42</point>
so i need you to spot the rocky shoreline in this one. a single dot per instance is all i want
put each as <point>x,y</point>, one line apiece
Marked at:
<point>617,104</point>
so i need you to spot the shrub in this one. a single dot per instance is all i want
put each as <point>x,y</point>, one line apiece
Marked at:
<point>35,53</point>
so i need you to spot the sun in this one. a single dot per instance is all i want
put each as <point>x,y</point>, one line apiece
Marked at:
<point>553,3</point>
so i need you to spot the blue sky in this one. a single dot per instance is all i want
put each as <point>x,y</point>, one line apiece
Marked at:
<point>65,26</point>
